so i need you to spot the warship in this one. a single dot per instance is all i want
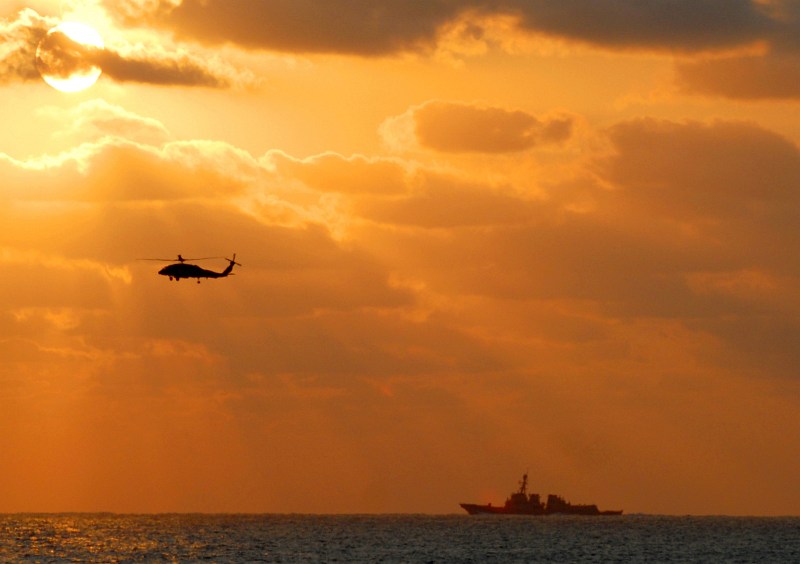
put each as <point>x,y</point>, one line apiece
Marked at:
<point>522,503</point>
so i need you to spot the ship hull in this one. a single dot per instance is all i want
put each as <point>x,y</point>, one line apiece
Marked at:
<point>477,509</point>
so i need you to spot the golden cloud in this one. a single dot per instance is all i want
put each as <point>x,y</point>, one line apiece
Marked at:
<point>456,127</point>
<point>436,200</point>
<point>774,75</point>
<point>330,172</point>
<point>93,120</point>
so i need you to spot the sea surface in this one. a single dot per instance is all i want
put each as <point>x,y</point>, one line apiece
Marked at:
<point>395,538</point>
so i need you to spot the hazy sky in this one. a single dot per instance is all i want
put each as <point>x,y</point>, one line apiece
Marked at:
<point>479,238</point>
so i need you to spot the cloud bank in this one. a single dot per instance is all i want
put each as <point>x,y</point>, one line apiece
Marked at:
<point>370,29</point>
<point>632,256</point>
<point>399,316</point>
<point>718,31</point>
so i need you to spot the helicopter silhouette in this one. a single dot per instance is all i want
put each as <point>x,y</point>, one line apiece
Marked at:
<point>182,269</point>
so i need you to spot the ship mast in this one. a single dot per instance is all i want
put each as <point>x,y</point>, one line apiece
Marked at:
<point>523,484</point>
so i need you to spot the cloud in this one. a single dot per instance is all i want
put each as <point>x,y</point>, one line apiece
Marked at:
<point>357,27</point>
<point>456,127</point>
<point>708,244</point>
<point>747,49</point>
<point>101,171</point>
<point>126,199</point>
<point>60,56</point>
<point>445,304</point>
<point>155,66</point>
<point>63,56</point>
<point>443,201</point>
<point>730,171</point>
<point>306,310</point>
<point>360,27</point>
<point>676,25</point>
<point>331,172</point>
<point>770,72</point>
<point>94,119</point>
<point>705,244</point>
<point>18,41</point>
<point>774,75</point>
<point>679,27</point>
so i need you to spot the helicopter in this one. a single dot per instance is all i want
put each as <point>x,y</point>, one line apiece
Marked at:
<point>182,269</point>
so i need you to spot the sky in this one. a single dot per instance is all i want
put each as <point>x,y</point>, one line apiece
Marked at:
<point>478,238</point>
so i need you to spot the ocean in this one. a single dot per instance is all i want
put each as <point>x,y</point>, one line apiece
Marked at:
<point>395,538</point>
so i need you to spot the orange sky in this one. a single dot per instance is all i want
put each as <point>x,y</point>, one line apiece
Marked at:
<point>479,237</point>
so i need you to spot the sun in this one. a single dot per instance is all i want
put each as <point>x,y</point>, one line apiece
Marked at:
<point>67,56</point>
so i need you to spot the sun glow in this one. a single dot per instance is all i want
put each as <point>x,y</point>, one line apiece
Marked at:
<point>65,56</point>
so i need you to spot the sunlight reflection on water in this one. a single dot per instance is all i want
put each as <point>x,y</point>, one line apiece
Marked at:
<point>394,538</point>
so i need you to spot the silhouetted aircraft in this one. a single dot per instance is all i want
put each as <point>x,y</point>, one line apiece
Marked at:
<point>182,269</point>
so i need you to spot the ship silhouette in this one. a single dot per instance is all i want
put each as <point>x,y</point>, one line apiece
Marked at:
<point>522,503</point>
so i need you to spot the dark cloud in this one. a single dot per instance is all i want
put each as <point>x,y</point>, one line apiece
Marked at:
<point>686,26</point>
<point>363,27</point>
<point>360,27</point>
<point>772,72</point>
<point>679,25</point>
<point>166,70</point>
<point>60,56</point>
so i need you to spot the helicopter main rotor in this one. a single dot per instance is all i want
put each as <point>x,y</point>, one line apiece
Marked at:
<point>182,259</point>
